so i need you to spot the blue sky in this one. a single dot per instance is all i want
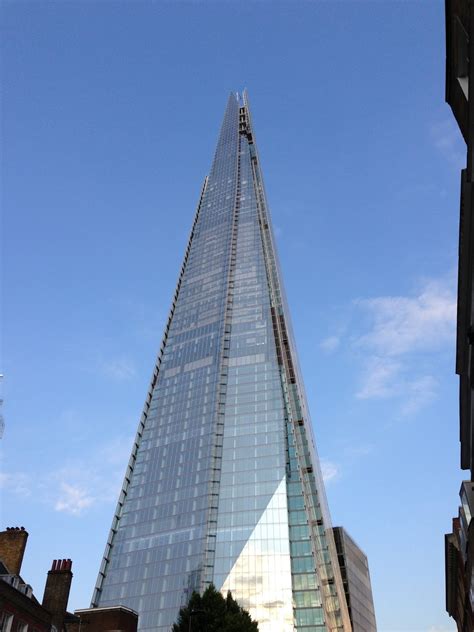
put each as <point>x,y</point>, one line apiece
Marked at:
<point>110,116</point>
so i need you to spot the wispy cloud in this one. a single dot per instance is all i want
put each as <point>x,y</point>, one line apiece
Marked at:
<point>78,484</point>
<point>378,379</point>
<point>330,344</point>
<point>419,394</point>
<point>18,483</point>
<point>403,324</point>
<point>329,470</point>
<point>120,369</point>
<point>278,231</point>
<point>137,312</point>
<point>73,499</point>
<point>447,139</point>
<point>400,330</point>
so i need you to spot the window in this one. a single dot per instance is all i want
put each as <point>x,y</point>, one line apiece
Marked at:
<point>6,621</point>
<point>462,56</point>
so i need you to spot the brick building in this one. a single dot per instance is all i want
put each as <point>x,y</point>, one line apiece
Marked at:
<point>20,611</point>
<point>112,619</point>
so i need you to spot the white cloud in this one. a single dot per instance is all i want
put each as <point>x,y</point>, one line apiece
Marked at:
<point>329,470</point>
<point>78,484</point>
<point>400,329</point>
<point>116,451</point>
<point>419,394</point>
<point>404,324</point>
<point>384,378</point>
<point>83,483</point>
<point>448,141</point>
<point>73,499</point>
<point>118,369</point>
<point>18,483</point>
<point>330,344</point>
<point>379,378</point>
<point>358,451</point>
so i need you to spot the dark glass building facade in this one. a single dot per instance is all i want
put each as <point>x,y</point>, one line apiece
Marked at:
<point>224,484</point>
<point>356,580</point>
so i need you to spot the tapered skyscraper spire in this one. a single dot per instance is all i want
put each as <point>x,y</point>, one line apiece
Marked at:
<point>224,484</point>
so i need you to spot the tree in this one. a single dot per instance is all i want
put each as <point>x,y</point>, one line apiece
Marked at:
<point>214,613</point>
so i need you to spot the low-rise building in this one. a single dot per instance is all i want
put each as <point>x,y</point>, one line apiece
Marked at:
<point>20,611</point>
<point>356,581</point>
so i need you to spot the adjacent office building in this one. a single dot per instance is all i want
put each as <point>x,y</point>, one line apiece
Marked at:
<point>356,581</point>
<point>223,484</point>
<point>459,545</point>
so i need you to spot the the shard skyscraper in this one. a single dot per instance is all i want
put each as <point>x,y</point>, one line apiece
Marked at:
<point>224,483</point>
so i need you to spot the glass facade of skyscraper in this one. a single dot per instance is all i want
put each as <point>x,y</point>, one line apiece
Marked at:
<point>223,483</point>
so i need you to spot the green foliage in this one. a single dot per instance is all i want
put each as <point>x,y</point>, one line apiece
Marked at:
<point>214,613</point>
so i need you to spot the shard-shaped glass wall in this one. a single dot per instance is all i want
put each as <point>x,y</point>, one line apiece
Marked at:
<point>224,484</point>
